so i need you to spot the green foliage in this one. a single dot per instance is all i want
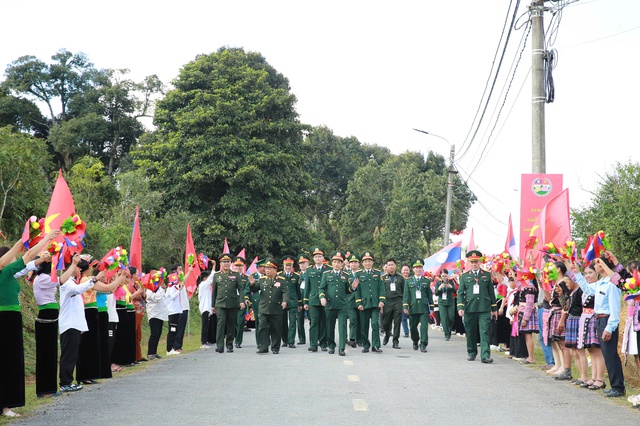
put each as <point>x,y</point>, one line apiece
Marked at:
<point>228,149</point>
<point>615,209</point>
<point>23,189</point>
<point>332,161</point>
<point>22,114</point>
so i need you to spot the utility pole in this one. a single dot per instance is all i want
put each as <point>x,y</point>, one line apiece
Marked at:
<point>447,220</point>
<point>452,171</point>
<point>538,92</point>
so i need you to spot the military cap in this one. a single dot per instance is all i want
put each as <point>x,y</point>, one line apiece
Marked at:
<point>270,263</point>
<point>318,250</point>
<point>337,255</point>
<point>417,262</point>
<point>239,260</point>
<point>225,257</point>
<point>367,255</point>
<point>288,260</point>
<point>475,255</point>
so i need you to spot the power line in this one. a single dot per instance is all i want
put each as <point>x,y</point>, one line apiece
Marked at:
<point>513,19</point>
<point>486,85</point>
<point>504,100</point>
<point>602,38</point>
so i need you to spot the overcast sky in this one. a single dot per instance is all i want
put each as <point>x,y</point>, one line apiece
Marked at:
<point>375,70</point>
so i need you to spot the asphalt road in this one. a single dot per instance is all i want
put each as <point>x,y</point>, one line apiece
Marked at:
<point>301,387</point>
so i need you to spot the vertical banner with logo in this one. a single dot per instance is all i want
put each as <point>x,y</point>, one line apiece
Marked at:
<point>536,190</point>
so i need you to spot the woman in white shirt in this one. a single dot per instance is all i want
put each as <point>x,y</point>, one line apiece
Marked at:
<point>157,314</point>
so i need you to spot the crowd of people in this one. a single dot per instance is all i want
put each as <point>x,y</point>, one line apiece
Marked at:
<point>96,317</point>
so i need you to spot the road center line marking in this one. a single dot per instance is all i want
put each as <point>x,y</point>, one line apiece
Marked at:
<point>353,378</point>
<point>360,405</point>
<point>348,362</point>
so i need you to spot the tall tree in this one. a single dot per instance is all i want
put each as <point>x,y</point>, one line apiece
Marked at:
<point>615,209</point>
<point>227,150</point>
<point>23,184</point>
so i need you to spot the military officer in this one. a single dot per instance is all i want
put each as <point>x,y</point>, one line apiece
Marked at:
<point>445,290</point>
<point>317,316</point>
<point>417,303</point>
<point>394,288</point>
<point>303,264</point>
<point>254,296</point>
<point>355,336</point>
<point>477,303</point>
<point>228,294</point>
<point>370,298</point>
<point>334,288</point>
<point>239,263</point>
<point>294,303</point>
<point>274,294</point>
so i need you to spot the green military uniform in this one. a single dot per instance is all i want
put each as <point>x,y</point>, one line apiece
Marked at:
<point>254,296</point>
<point>446,303</point>
<point>476,297</point>
<point>355,336</point>
<point>394,290</point>
<point>317,315</point>
<point>418,300</point>
<point>302,335</point>
<point>228,293</point>
<point>334,288</point>
<point>239,262</point>
<point>273,292</point>
<point>290,317</point>
<point>369,294</point>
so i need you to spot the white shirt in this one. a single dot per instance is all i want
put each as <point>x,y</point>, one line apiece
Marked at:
<point>44,289</point>
<point>205,295</point>
<point>72,305</point>
<point>184,299</point>
<point>172,297</point>
<point>31,266</point>
<point>111,308</point>
<point>157,305</point>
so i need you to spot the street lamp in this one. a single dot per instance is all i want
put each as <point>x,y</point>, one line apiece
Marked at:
<point>452,171</point>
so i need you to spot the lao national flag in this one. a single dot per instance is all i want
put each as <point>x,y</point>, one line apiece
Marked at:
<point>445,258</point>
<point>190,249</point>
<point>594,249</point>
<point>135,250</point>
<point>510,243</point>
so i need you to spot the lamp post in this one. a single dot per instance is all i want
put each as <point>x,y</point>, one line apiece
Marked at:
<point>451,172</point>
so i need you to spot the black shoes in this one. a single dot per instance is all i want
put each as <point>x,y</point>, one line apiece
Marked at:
<point>324,349</point>
<point>219,350</point>
<point>262,352</point>
<point>423,349</point>
<point>229,348</point>
<point>415,346</point>
<point>385,340</point>
<point>487,361</point>
<point>292,346</point>
<point>302,342</point>
<point>614,393</point>
<point>341,352</point>
<point>238,345</point>
<point>275,352</point>
<point>365,350</point>
<point>376,350</point>
<point>313,349</point>
<point>332,351</point>
<point>396,346</point>
<point>352,343</point>
<point>472,358</point>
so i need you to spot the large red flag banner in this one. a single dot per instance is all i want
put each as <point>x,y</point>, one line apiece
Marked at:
<point>535,191</point>
<point>61,214</point>
<point>135,250</point>
<point>554,220</point>
<point>190,260</point>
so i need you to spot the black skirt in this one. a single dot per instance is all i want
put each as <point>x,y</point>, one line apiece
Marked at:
<point>12,389</point>
<point>131,339</point>
<point>47,351</point>
<point>105,356</point>
<point>119,354</point>
<point>88,366</point>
